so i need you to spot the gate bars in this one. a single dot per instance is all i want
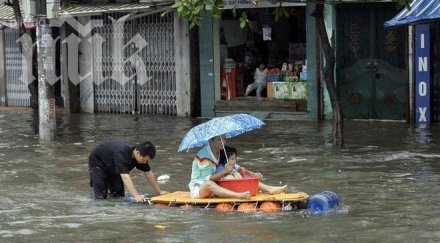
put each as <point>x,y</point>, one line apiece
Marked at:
<point>144,79</point>
<point>16,70</point>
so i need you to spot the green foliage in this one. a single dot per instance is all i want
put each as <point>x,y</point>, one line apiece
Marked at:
<point>192,10</point>
<point>403,3</point>
<point>279,12</point>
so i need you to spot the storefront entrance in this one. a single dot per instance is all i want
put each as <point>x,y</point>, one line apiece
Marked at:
<point>371,62</point>
<point>269,41</point>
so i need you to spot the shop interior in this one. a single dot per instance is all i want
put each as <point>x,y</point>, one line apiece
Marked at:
<point>280,45</point>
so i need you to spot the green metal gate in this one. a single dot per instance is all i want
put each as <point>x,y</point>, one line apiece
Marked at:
<point>371,62</point>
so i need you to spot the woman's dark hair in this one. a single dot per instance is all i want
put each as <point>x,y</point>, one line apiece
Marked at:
<point>146,148</point>
<point>229,151</point>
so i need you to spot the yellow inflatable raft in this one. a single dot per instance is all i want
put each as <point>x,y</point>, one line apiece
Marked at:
<point>298,199</point>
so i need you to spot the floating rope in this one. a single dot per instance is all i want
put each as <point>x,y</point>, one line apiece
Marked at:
<point>234,204</point>
<point>207,206</point>
<point>256,205</point>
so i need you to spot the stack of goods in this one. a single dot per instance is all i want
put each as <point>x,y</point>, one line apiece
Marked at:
<point>291,76</point>
<point>275,75</point>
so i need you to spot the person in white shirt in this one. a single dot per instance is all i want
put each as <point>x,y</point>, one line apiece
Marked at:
<point>259,80</point>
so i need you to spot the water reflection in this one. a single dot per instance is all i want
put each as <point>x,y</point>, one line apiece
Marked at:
<point>387,177</point>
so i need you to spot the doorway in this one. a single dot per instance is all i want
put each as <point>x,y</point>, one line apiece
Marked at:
<point>370,67</point>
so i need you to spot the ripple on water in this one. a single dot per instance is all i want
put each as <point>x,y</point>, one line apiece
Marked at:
<point>72,225</point>
<point>5,145</point>
<point>25,232</point>
<point>9,233</point>
<point>6,233</point>
<point>399,156</point>
<point>296,159</point>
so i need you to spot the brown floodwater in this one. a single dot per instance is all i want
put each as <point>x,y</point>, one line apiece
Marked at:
<point>388,177</point>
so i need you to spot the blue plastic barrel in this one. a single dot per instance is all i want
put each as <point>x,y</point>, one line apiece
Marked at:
<point>323,202</point>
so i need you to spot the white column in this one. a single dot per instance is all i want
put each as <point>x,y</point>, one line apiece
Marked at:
<point>217,61</point>
<point>46,101</point>
<point>64,74</point>
<point>182,57</point>
<point>86,70</point>
<point>411,72</point>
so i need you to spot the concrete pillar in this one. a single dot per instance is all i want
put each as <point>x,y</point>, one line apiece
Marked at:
<point>86,70</point>
<point>2,71</point>
<point>216,55</point>
<point>207,82</point>
<point>64,71</point>
<point>312,71</point>
<point>46,79</point>
<point>183,66</point>
<point>411,114</point>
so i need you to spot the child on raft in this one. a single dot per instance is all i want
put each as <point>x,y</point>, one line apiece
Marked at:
<point>204,176</point>
<point>228,157</point>
<point>238,172</point>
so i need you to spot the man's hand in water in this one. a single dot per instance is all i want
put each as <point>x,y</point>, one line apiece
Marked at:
<point>140,198</point>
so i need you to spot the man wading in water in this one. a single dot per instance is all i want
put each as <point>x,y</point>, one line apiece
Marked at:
<point>110,164</point>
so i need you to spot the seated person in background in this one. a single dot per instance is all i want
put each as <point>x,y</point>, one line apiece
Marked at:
<point>285,67</point>
<point>230,165</point>
<point>259,80</point>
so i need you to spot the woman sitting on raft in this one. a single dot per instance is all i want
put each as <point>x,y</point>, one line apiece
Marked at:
<point>239,172</point>
<point>203,176</point>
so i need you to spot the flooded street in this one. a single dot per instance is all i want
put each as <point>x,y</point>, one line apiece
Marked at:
<point>388,177</point>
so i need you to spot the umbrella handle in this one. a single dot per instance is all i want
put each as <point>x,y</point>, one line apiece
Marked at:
<point>224,150</point>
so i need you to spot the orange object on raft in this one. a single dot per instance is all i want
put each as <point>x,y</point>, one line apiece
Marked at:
<point>241,185</point>
<point>270,207</point>
<point>247,207</point>
<point>224,207</point>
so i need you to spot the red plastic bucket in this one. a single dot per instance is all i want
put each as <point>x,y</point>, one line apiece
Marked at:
<point>241,185</point>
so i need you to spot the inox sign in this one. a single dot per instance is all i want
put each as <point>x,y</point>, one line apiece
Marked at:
<point>422,73</point>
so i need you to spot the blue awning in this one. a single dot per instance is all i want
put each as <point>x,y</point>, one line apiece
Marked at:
<point>420,11</point>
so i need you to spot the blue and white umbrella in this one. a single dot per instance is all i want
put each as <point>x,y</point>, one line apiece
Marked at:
<point>230,126</point>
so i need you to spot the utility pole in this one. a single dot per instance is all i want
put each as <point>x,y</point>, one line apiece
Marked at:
<point>46,72</point>
<point>46,65</point>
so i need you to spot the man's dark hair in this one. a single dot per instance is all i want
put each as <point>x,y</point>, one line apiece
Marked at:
<point>146,148</point>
